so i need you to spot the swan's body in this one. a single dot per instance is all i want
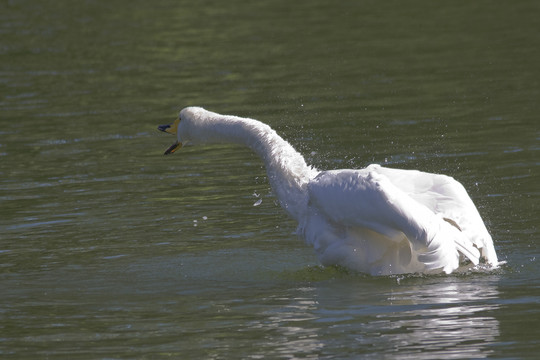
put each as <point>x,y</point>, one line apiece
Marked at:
<point>375,220</point>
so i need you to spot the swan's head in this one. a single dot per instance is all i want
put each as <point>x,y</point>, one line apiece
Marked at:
<point>178,128</point>
<point>197,126</point>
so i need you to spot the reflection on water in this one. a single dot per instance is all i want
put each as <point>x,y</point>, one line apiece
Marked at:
<point>449,318</point>
<point>420,319</point>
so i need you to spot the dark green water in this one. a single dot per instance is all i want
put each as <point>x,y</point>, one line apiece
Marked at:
<point>110,250</point>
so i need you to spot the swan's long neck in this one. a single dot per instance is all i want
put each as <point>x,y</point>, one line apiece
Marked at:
<point>287,170</point>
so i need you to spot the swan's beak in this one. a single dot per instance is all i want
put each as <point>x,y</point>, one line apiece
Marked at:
<point>177,145</point>
<point>171,129</point>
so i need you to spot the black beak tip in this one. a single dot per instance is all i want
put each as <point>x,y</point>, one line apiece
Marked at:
<point>163,127</point>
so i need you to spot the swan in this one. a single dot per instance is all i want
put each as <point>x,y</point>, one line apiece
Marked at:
<point>376,220</point>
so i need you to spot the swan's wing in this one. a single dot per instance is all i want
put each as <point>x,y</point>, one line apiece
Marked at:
<point>448,199</point>
<point>367,199</point>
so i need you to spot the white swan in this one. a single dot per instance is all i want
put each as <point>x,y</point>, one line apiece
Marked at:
<point>375,220</point>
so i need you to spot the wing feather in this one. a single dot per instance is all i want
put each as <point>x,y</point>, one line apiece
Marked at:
<point>448,199</point>
<point>369,199</point>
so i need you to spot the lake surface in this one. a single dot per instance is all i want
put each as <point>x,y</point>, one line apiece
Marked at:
<point>108,249</point>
